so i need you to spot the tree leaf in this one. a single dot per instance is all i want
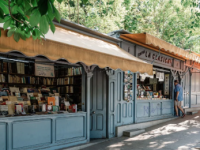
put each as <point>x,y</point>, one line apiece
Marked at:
<point>57,15</point>
<point>34,3</point>
<point>52,26</point>
<point>16,36</point>
<point>14,9</point>
<point>43,6</point>
<point>4,7</point>
<point>20,10</point>
<point>1,20</point>
<point>44,25</point>
<point>19,2</point>
<point>26,5</point>
<point>23,36</point>
<point>60,1</point>
<point>27,34</point>
<point>10,32</point>
<point>51,11</point>
<point>85,2</point>
<point>35,18</point>
<point>1,14</point>
<point>7,24</point>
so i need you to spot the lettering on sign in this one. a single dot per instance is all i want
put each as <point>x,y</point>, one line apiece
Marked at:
<point>177,64</point>
<point>150,55</point>
<point>44,70</point>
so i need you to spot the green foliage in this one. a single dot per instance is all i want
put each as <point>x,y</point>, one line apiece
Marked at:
<point>174,21</point>
<point>25,18</point>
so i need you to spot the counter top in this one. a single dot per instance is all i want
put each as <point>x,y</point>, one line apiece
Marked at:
<point>41,116</point>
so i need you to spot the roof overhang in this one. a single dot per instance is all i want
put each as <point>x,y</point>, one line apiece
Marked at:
<point>157,44</point>
<point>75,47</point>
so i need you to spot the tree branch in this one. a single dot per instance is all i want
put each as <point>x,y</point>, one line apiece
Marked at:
<point>11,13</point>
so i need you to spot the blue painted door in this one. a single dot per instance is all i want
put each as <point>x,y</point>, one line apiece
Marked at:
<point>98,104</point>
<point>3,136</point>
<point>186,90</point>
<point>120,112</point>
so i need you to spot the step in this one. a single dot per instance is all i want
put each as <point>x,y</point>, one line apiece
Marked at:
<point>192,112</point>
<point>133,132</point>
<point>120,129</point>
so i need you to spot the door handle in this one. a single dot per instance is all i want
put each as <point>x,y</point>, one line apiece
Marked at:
<point>93,112</point>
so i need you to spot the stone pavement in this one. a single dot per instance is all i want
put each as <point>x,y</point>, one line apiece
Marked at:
<point>178,134</point>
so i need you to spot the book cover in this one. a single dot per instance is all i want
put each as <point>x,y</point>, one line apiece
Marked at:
<point>5,67</point>
<point>51,101</point>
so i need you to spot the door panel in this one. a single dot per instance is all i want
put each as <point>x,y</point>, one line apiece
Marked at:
<point>186,89</point>
<point>120,112</point>
<point>98,104</point>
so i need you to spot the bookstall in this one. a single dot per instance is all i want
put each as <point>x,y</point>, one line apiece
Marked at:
<point>54,91</point>
<point>33,86</point>
<point>34,93</point>
<point>154,97</point>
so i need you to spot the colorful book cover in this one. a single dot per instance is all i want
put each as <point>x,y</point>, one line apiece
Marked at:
<point>51,101</point>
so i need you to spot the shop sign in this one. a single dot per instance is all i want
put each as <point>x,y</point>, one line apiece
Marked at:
<point>150,55</point>
<point>44,70</point>
<point>166,88</point>
<point>177,64</point>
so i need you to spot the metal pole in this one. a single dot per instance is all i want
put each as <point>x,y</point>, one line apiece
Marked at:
<point>196,99</point>
<point>190,90</point>
<point>89,76</point>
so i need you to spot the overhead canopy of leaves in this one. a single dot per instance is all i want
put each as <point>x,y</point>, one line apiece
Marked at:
<point>175,21</point>
<point>25,18</point>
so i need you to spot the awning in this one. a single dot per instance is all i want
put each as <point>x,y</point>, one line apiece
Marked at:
<point>75,47</point>
<point>156,43</point>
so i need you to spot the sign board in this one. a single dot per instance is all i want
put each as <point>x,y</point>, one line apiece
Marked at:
<point>150,55</point>
<point>44,70</point>
<point>177,64</point>
<point>166,88</point>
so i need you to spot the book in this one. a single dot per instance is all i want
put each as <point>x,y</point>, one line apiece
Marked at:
<point>18,67</point>
<point>5,70</point>
<point>56,100</point>
<point>51,101</point>
<point>22,68</point>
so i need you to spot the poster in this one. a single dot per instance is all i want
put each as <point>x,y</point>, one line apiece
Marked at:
<point>44,70</point>
<point>166,89</point>
<point>128,89</point>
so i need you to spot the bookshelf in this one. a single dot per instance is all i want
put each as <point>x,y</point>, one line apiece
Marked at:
<point>67,80</point>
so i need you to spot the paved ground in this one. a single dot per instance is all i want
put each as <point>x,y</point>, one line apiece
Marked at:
<point>179,134</point>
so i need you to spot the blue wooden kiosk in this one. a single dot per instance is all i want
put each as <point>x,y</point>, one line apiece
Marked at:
<point>103,107</point>
<point>158,53</point>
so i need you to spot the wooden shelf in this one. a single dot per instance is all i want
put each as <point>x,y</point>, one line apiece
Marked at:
<point>3,82</point>
<point>70,76</point>
<point>17,74</point>
<point>39,84</point>
<point>3,73</point>
<point>31,75</point>
<point>71,93</point>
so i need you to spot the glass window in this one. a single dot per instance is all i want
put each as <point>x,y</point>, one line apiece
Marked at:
<point>128,86</point>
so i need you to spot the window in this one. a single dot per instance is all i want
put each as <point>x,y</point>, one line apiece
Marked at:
<point>128,86</point>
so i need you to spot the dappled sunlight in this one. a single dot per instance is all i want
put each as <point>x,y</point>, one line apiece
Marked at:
<point>188,123</point>
<point>179,134</point>
<point>164,144</point>
<point>116,145</point>
<point>165,130</point>
<point>193,132</point>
